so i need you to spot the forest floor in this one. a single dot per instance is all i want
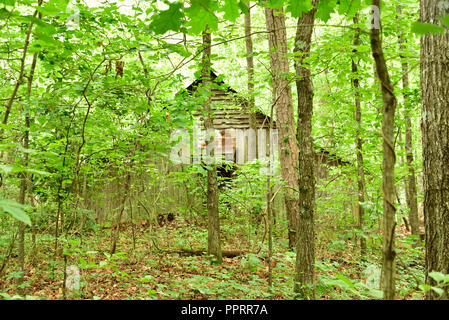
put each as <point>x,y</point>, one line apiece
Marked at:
<point>144,268</point>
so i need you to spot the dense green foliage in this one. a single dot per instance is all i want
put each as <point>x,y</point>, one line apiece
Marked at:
<point>103,102</point>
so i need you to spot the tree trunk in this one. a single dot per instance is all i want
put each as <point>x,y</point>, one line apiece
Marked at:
<point>24,180</point>
<point>389,158</point>
<point>359,141</point>
<point>305,249</point>
<point>22,196</point>
<point>250,72</point>
<point>410,193</point>
<point>213,239</point>
<point>435,129</point>
<point>269,205</point>
<point>122,209</point>
<point>282,96</point>
<point>269,214</point>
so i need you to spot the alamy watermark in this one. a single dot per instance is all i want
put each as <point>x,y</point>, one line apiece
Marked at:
<point>73,20</point>
<point>72,281</point>
<point>372,274</point>
<point>374,17</point>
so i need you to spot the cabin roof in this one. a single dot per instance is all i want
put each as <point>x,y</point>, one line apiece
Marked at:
<point>216,79</point>
<point>229,117</point>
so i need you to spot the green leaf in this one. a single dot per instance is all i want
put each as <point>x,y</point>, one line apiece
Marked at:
<point>437,276</point>
<point>201,14</point>
<point>445,20</point>
<point>325,9</point>
<point>9,297</point>
<point>243,6</point>
<point>297,7</point>
<point>378,294</point>
<point>425,287</point>
<point>4,13</point>
<point>170,19</point>
<point>8,2</point>
<point>275,4</point>
<point>53,7</point>
<point>349,7</point>
<point>420,28</point>
<point>346,280</point>
<point>42,27</point>
<point>205,290</point>
<point>438,290</point>
<point>178,48</point>
<point>16,210</point>
<point>231,10</point>
<point>44,173</point>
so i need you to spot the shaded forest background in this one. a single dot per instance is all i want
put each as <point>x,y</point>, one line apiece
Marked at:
<point>91,95</point>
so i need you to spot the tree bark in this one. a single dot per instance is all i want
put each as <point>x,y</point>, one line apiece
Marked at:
<point>389,103</point>
<point>411,193</point>
<point>305,249</point>
<point>213,239</point>
<point>359,141</point>
<point>282,96</point>
<point>250,72</point>
<point>435,135</point>
<point>122,209</point>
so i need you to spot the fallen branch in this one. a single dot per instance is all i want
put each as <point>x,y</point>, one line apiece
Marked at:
<point>191,252</point>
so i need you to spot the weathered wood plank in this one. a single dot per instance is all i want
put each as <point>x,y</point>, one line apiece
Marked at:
<point>252,142</point>
<point>262,143</point>
<point>240,146</point>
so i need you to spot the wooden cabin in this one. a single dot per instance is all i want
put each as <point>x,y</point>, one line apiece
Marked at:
<point>235,140</point>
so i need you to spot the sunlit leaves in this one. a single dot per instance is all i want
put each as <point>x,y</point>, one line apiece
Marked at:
<point>201,13</point>
<point>8,2</point>
<point>177,48</point>
<point>243,6</point>
<point>422,28</point>
<point>275,4</point>
<point>325,9</point>
<point>297,7</point>
<point>4,13</point>
<point>15,209</point>
<point>231,9</point>
<point>170,19</point>
<point>441,280</point>
<point>53,7</point>
<point>445,20</point>
<point>349,7</point>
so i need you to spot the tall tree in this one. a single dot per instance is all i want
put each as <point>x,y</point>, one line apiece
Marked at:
<point>435,131</point>
<point>305,248</point>
<point>26,139</point>
<point>282,97</point>
<point>389,103</point>
<point>118,220</point>
<point>249,57</point>
<point>24,180</point>
<point>410,191</point>
<point>359,140</point>
<point>213,242</point>
<point>250,72</point>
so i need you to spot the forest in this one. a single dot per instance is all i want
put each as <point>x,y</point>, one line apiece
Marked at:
<point>224,150</point>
